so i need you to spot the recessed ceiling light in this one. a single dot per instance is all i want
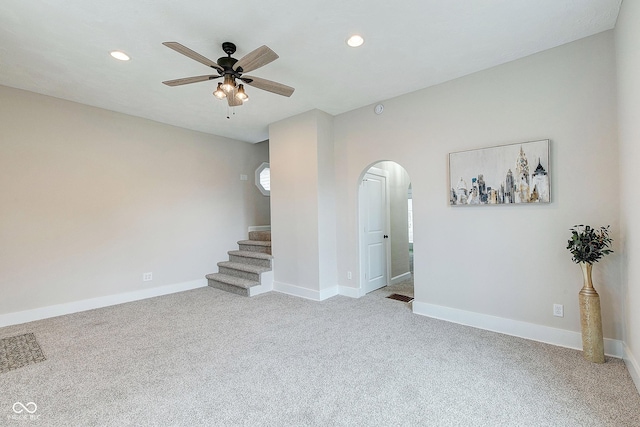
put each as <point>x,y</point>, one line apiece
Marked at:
<point>355,40</point>
<point>119,55</point>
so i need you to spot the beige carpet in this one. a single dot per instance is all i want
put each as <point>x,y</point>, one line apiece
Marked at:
<point>209,358</point>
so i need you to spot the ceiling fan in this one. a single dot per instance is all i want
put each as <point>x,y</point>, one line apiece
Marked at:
<point>230,69</point>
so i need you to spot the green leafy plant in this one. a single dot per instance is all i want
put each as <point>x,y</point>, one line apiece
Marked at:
<point>588,244</point>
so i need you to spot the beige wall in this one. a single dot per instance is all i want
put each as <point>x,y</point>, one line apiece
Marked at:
<point>326,202</point>
<point>628,57</point>
<point>504,261</point>
<point>302,199</point>
<point>92,199</point>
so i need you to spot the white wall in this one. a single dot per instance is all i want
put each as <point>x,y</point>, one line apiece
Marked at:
<point>302,202</point>
<point>92,199</point>
<point>627,34</point>
<point>503,261</point>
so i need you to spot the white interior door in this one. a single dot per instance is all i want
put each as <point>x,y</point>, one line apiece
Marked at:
<point>374,223</point>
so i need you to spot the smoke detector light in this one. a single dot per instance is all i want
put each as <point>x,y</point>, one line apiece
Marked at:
<point>121,56</point>
<point>355,40</point>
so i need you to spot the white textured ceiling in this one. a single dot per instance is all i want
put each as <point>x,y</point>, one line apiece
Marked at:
<point>61,48</point>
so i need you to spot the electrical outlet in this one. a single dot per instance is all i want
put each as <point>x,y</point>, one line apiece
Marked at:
<point>147,277</point>
<point>558,310</point>
<point>349,275</point>
<point>243,177</point>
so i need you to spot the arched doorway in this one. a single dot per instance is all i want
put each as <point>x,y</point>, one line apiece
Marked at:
<point>384,219</point>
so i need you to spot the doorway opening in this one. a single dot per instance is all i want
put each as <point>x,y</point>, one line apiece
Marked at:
<point>385,229</point>
<point>410,225</point>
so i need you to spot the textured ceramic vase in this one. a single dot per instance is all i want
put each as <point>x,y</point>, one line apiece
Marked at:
<point>590,318</point>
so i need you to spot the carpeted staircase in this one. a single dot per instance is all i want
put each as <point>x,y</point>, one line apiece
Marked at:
<point>249,270</point>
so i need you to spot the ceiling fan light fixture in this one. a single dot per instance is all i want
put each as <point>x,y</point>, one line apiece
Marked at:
<point>355,40</point>
<point>229,84</point>
<point>241,94</point>
<point>219,93</point>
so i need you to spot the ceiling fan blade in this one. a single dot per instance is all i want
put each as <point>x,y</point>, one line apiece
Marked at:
<point>187,80</point>
<point>268,85</point>
<point>256,59</point>
<point>232,100</point>
<point>193,55</point>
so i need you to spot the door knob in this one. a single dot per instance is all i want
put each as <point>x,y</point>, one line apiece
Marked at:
<point>386,237</point>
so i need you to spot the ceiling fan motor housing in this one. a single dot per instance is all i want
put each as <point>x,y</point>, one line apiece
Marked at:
<point>229,48</point>
<point>227,63</point>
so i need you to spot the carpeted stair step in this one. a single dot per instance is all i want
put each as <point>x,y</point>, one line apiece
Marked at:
<point>260,235</point>
<point>243,271</point>
<point>255,246</point>
<point>232,284</point>
<point>253,258</point>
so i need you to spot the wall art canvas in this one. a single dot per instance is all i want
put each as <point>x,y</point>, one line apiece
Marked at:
<point>507,174</point>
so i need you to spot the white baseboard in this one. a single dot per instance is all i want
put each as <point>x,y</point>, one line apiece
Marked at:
<point>401,278</point>
<point>329,292</point>
<point>90,304</point>
<point>632,366</point>
<point>350,292</point>
<point>546,334</point>
<point>306,293</point>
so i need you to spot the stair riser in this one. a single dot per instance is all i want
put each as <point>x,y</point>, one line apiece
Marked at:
<point>228,288</point>
<point>260,235</point>
<point>238,273</point>
<point>252,248</point>
<point>251,261</point>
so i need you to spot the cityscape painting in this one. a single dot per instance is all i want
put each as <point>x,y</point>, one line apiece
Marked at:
<point>508,174</point>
